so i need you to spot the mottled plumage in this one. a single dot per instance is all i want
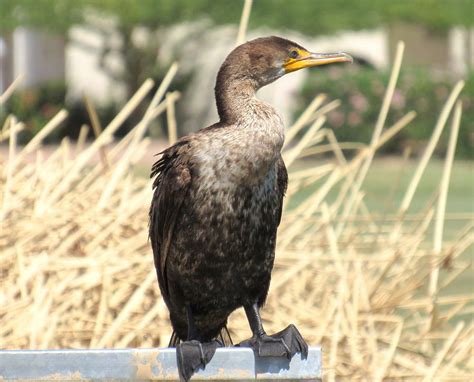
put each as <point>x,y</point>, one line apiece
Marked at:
<point>215,211</point>
<point>216,206</point>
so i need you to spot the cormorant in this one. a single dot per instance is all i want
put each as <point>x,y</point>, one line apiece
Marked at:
<point>216,206</point>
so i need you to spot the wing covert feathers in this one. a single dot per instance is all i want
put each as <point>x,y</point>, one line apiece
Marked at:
<point>170,190</point>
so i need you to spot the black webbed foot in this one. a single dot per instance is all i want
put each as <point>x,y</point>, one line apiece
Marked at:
<point>194,355</point>
<point>286,343</point>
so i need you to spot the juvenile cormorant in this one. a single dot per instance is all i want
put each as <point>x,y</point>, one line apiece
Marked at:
<point>217,204</point>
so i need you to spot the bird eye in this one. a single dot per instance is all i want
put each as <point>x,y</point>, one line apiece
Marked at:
<point>294,54</point>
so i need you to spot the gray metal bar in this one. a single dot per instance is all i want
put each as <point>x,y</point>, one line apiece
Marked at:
<point>235,364</point>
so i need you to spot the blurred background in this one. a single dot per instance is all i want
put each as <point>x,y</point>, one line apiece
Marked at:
<point>106,49</point>
<point>374,255</point>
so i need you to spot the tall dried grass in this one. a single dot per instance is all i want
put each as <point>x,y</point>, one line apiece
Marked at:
<point>76,268</point>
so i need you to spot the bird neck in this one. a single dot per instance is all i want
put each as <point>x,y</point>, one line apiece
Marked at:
<point>235,98</point>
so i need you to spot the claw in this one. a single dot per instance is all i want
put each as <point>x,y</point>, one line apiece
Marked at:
<point>194,355</point>
<point>286,343</point>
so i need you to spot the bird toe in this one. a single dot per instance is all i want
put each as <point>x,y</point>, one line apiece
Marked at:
<point>285,343</point>
<point>194,355</point>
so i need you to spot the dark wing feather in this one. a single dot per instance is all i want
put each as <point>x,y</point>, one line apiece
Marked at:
<point>282,184</point>
<point>171,186</point>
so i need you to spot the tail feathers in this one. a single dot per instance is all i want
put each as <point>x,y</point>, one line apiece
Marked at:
<point>223,336</point>
<point>174,340</point>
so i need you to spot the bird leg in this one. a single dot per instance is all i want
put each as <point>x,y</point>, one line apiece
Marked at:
<point>193,354</point>
<point>286,343</point>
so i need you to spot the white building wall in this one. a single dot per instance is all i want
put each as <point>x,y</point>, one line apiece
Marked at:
<point>38,55</point>
<point>200,49</point>
<point>84,74</point>
<point>461,49</point>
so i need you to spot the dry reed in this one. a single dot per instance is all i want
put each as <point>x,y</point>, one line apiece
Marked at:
<point>76,267</point>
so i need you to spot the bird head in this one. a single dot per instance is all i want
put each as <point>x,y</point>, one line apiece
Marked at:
<point>269,58</point>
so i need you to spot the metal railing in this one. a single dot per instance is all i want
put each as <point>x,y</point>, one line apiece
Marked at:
<point>234,364</point>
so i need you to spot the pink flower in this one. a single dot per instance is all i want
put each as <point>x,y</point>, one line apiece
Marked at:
<point>354,119</point>
<point>359,102</point>
<point>335,73</point>
<point>336,118</point>
<point>398,100</point>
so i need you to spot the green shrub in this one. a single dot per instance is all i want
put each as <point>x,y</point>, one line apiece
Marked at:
<point>36,106</point>
<point>361,91</point>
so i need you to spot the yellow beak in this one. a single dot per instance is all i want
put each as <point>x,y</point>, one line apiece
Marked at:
<point>308,60</point>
